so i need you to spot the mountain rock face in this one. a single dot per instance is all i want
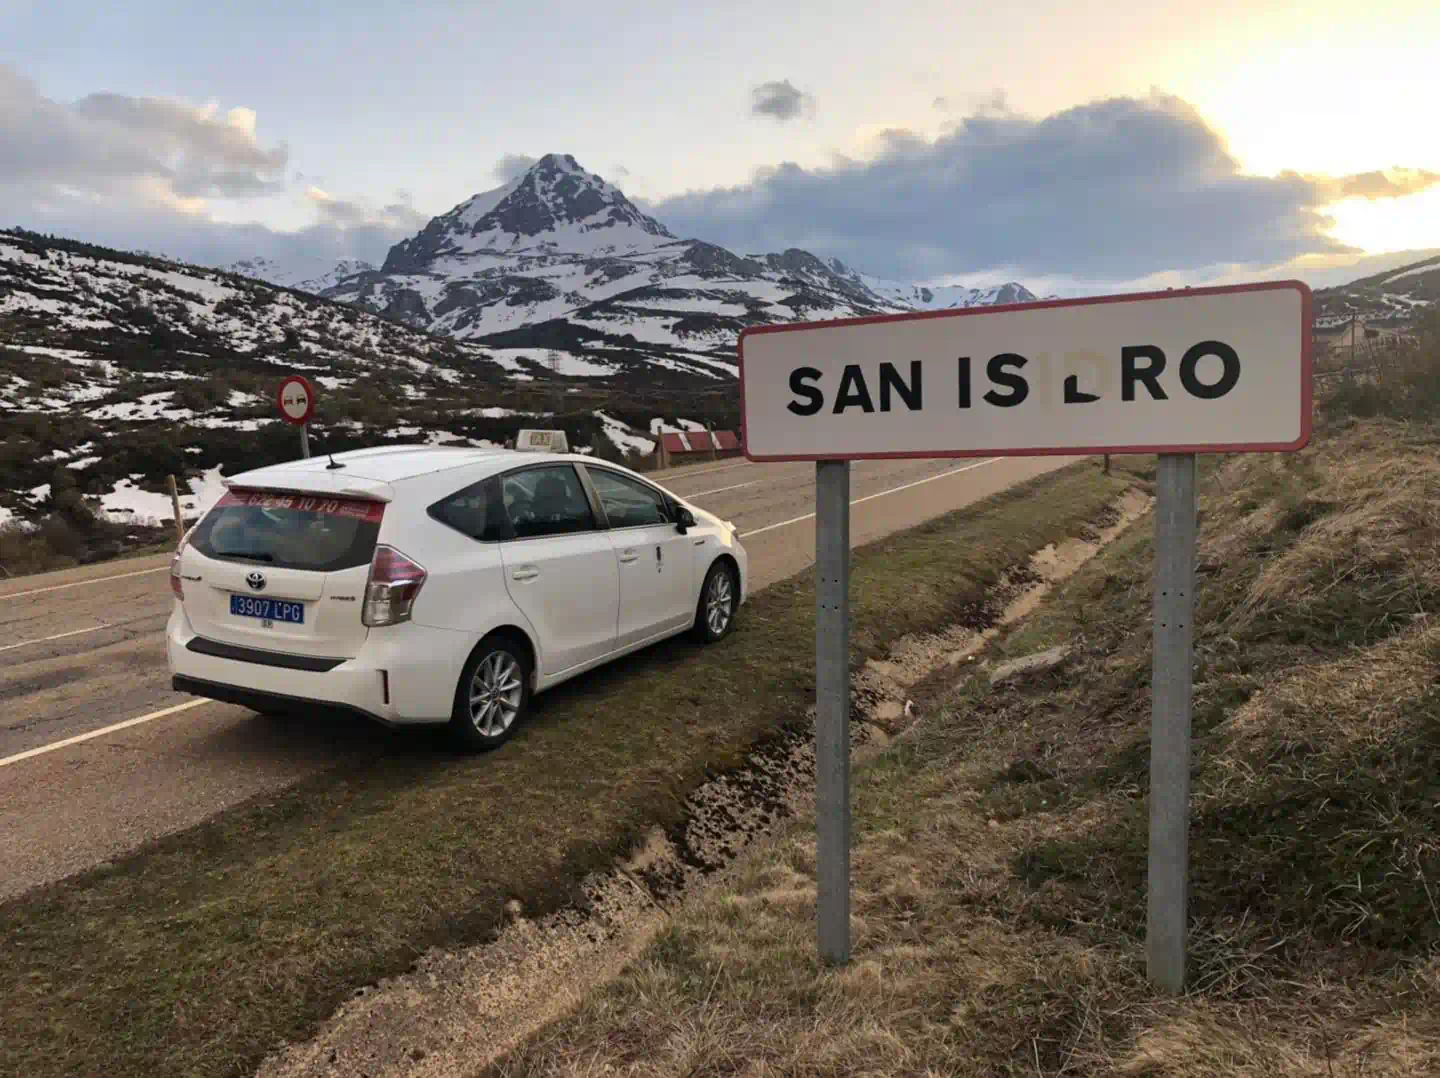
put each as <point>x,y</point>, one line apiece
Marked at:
<point>559,258</point>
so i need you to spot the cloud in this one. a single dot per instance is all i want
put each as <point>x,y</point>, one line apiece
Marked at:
<point>108,144</point>
<point>351,213</point>
<point>1117,189</point>
<point>780,100</point>
<point>149,174</point>
<point>1388,183</point>
<point>512,166</point>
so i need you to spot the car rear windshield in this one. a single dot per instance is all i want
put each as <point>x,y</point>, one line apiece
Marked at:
<point>290,531</point>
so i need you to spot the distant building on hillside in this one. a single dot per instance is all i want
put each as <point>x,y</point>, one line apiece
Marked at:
<point>684,447</point>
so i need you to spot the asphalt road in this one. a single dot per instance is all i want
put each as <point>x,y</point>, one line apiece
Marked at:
<point>83,650</point>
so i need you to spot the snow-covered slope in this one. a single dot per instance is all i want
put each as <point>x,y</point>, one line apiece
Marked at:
<point>560,257</point>
<point>1397,296</point>
<point>117,370</point>
<point>307,274</point>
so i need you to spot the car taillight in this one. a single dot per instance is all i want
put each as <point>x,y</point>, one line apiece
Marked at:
<point>390,592</point>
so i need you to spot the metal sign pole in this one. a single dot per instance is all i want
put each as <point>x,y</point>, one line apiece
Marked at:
<point>832,708</point>
<point>1170,686</point>
<point>305,439</point>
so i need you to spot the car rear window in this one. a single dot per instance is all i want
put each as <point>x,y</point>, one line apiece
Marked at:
<point>290,531</point>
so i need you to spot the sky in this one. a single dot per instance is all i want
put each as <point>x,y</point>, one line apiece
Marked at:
<point>1073,147</point>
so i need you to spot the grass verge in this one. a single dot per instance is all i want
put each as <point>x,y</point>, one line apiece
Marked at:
<point>999,910</point>
<point>200,953</point>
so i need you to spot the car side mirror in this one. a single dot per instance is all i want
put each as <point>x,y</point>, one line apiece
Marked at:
<point>684,520</point>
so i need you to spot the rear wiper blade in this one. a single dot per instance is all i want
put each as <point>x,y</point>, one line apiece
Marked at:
<point>250,556</point>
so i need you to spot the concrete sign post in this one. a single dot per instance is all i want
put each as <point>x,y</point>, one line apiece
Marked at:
<point>1176,373</point>
<point>296,401</point>
<point>1173,604</point>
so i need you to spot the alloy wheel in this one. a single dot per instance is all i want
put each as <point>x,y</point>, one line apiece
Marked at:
<point>719,604</point>
<point>496,692</point>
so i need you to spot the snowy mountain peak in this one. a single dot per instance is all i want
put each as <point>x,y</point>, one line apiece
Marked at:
<point>308,274</point>
<point>555,205</point>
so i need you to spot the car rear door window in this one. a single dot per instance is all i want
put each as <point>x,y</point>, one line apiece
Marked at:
<point>546,500</point>
<point>628,503</point>
<point>475,511</point>
<point>290,531</point>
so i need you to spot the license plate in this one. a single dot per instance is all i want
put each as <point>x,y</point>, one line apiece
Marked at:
<point>267,610</point>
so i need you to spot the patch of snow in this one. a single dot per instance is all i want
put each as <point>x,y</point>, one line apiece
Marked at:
<point>570,365</point>
<point>150,406</point>
<point>69,354</point>
<point>223,423</point>
<point>83,462</point>
<point>624,437</point>
<point>127,501</point>
<point>1433,267</point>
<point>659,426</point>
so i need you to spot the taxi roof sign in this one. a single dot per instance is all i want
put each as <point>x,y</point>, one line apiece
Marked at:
<point>542,441</point>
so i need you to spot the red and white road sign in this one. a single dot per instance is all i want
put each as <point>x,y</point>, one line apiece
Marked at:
<point>296,400</point>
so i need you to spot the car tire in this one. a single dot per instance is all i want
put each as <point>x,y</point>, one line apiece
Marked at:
<point>719,599</point>
<point>484,698</point>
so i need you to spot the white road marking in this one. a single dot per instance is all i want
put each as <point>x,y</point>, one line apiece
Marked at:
<point>57,636</point>
<point>871,497</point>
<point>77,583</point>
<point>30,753</point>
<point>721,490</point>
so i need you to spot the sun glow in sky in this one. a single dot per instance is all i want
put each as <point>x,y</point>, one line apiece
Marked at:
<point>1329,88</point>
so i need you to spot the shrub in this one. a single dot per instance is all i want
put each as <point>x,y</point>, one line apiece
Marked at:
<point>62,539</point>
<point>1408,387</point>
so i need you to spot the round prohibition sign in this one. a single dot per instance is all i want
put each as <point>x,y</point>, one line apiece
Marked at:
<point>296,400</point>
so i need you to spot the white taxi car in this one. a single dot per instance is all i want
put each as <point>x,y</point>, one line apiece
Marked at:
<point>417,584</point>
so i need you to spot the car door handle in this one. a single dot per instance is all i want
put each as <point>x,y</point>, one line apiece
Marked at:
<point>629,556</point>
<point>698,542</point>
<point>525,574</point>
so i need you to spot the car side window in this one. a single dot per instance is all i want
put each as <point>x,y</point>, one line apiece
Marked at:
<point>548,500</point>
<point>628,504</point>
<point>474,511</point>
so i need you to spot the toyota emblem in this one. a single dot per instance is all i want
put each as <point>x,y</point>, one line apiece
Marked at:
<point>256,580</point>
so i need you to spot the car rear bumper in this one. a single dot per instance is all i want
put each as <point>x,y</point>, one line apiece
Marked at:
<point>256,700</point>
<point>404,675</point>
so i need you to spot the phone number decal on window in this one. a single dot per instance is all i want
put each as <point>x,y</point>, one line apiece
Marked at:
<point>368,511</point>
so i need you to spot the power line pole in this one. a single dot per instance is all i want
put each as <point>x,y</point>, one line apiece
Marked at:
<point>552,360</point>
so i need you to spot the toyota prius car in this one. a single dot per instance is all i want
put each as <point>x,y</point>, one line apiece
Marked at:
<point>415,584</point>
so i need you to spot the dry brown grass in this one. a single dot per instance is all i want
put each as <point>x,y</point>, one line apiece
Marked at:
<point>999,921</point>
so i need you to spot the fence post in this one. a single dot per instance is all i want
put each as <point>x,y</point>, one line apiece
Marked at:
<point>175,504</point>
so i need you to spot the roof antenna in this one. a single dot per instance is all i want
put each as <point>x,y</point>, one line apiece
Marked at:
<point>334,464</point>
